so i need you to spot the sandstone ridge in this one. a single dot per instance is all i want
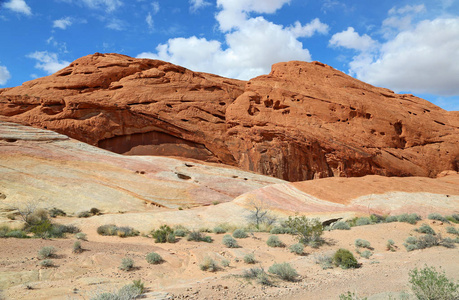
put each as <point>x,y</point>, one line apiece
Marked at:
<point>302,121</point>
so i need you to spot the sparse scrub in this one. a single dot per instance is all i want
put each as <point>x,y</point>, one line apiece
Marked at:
<point>259,274</point>
<point>281,230</point>
<point>208,264</point>
<point>453,218</point>
<point>362,243</point>
<point>391,219</point>
<point>452,230</point>
<point>260,215</point>
<point>127,264</point>
<point>154,258</point>
<point>325,261</point>
<point>107,229</point>
<point>284,270</point>
<point>340,225</point>
<point>47,263</point>
<point>229,241</point>
<point>350,296</point>
<point>240,233</point>
<point>307,230</point>
<point>438,217</point>
<point>126,231</point>
<point>205,229</point>
<point>198,237</point>
<point>77,247</point>
<point>160,235</point>
<point>225,263</point>
<point>127,292</point>
<point>219,230</point>
<point>377,218</point>
<point>46,252</point>
<point>425,229</point>
<point>362,221</point>
<point>366,254</point>
<point>6,232</point>
<point>390,245</point>
<point>55,212</point>
<point>428,284</point>
<point>84,214</point>
<point>249,258</point>
<point>409,218</point>
<point>344,259</point>
<point>274,241</point>
<point>95,211</point>
<point>297,248</point>
<point>81,236</point>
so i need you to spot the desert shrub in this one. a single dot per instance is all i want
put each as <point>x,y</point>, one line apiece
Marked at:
<point>425,229</point>
<point>284,270</point>
<point>377,218</point>
<point>180,232</point>
<point>77,247</point>
<point>109,229</point>
<point>362,243</point>
<point>281,230</point>
<point>126,231</point>
<point>391,219</point>
<point>198,237</point>
<point>297,248</point>
<point>154,258</point>
<point>390,245</point>
<point>409,218</point>
<point>452,230</point>
<point>274,241</point>
<point>453,218</point>
<point>249,258</point>
<point>362,221</point>
<point>84,214</point>
<point>350,296</point>
<point>46,252</point>
<point>345,259</point>
<point>411,240</point>
<point>81,236</point>
<point>438,217</point>
<point>240,233</point>
<point>225,263</point>
<point>428,284</point>
<point>54,212</point>
<point>305,229</point>
<point>340,225</point>
<point>95,211</point>
<point>259,215</point>
<point>366,254</point>
<point>126,264</point>
<point>47,263</point>
<point>131,291</point>
<point>208,264</point>
<point>259,274</point>
<point>427,241</point>
<point>160,235</point>
<point>19,234</point>
<point>325,261</point>
<point>229,241</point>
<point>448,243</point>
<point>219,230</point>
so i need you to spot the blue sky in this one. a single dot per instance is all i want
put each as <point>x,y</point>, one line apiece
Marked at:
<point>407,46</point>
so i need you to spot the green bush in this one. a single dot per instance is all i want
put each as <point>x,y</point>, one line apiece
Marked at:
<point>281,230</point>
<point>305,229</point>
<point>109,229</point>
<point>259,274</point>
<point>208,264</point>
<point>340,225</point>
<point>77,247</point>
<point>198,237</point>
<point>240,233</point>
<point>409,218</point>
<point>19,234</point>
<point>180,232</point>
<point>425,229</point>
<point>297,248</point>
<point>47,263</point>
<point>362,221</point>
<point>284,271</point>
<point>219,230</point>
<point>274,241</point>
<point>438,217</point>
<point>391,219</point>
<point>154,258</point>
<point>84,214</point>
<point>366,254</point>
<point>428,284</point>
<point>453,218</point>
<point>131,291</point>
<point>362,243</point>
<point>54,212</point>
<point>127,264</point>
<point>160,235</point>
<point>229,241</point>
<point>345,259</point>
<point>452,230</point>
<point>390,245</point>
<point>46,252</point>
<point>95,211</point>
<point>249,258</point>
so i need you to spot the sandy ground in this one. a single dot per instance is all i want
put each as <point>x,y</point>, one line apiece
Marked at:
<point>81,276</point>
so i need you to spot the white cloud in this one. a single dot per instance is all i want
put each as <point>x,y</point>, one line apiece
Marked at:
<point>116,24</point>
<point>155,6</point>
<point>251,46</point>
<point>407,9</point>
<point>108,5</point>
<point>352,40</point>
<point>19,6</point>
<point>4,75</point>
<point>423,59</point>
<point>48,61</point>
<point>197,4</point>
<point>62,23</point>
<point>149,20</point>
<point>309,29</point>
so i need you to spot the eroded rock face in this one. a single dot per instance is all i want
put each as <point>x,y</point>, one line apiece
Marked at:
<point>302,121</point>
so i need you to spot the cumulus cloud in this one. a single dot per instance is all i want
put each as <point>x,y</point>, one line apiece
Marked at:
<point>62,23</point>
<point>19,6</point>
<point>249,49</point>
<point>197,4</point>
<point>422,59</point>
<point>48,61</point>
<point>4,75</point>
<point>352,40</point>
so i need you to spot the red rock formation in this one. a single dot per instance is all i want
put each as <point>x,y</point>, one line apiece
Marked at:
<point>302,121</point>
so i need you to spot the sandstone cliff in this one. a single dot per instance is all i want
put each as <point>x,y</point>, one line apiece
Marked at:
<point>302,121</point>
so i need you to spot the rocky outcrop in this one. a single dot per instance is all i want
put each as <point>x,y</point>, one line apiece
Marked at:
<point>302,121</point>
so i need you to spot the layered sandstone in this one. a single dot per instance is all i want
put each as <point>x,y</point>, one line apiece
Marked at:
<point>302,121</point>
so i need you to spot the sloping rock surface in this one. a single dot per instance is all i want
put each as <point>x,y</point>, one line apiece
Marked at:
<point>302,121</point>
<point>56,171</point>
